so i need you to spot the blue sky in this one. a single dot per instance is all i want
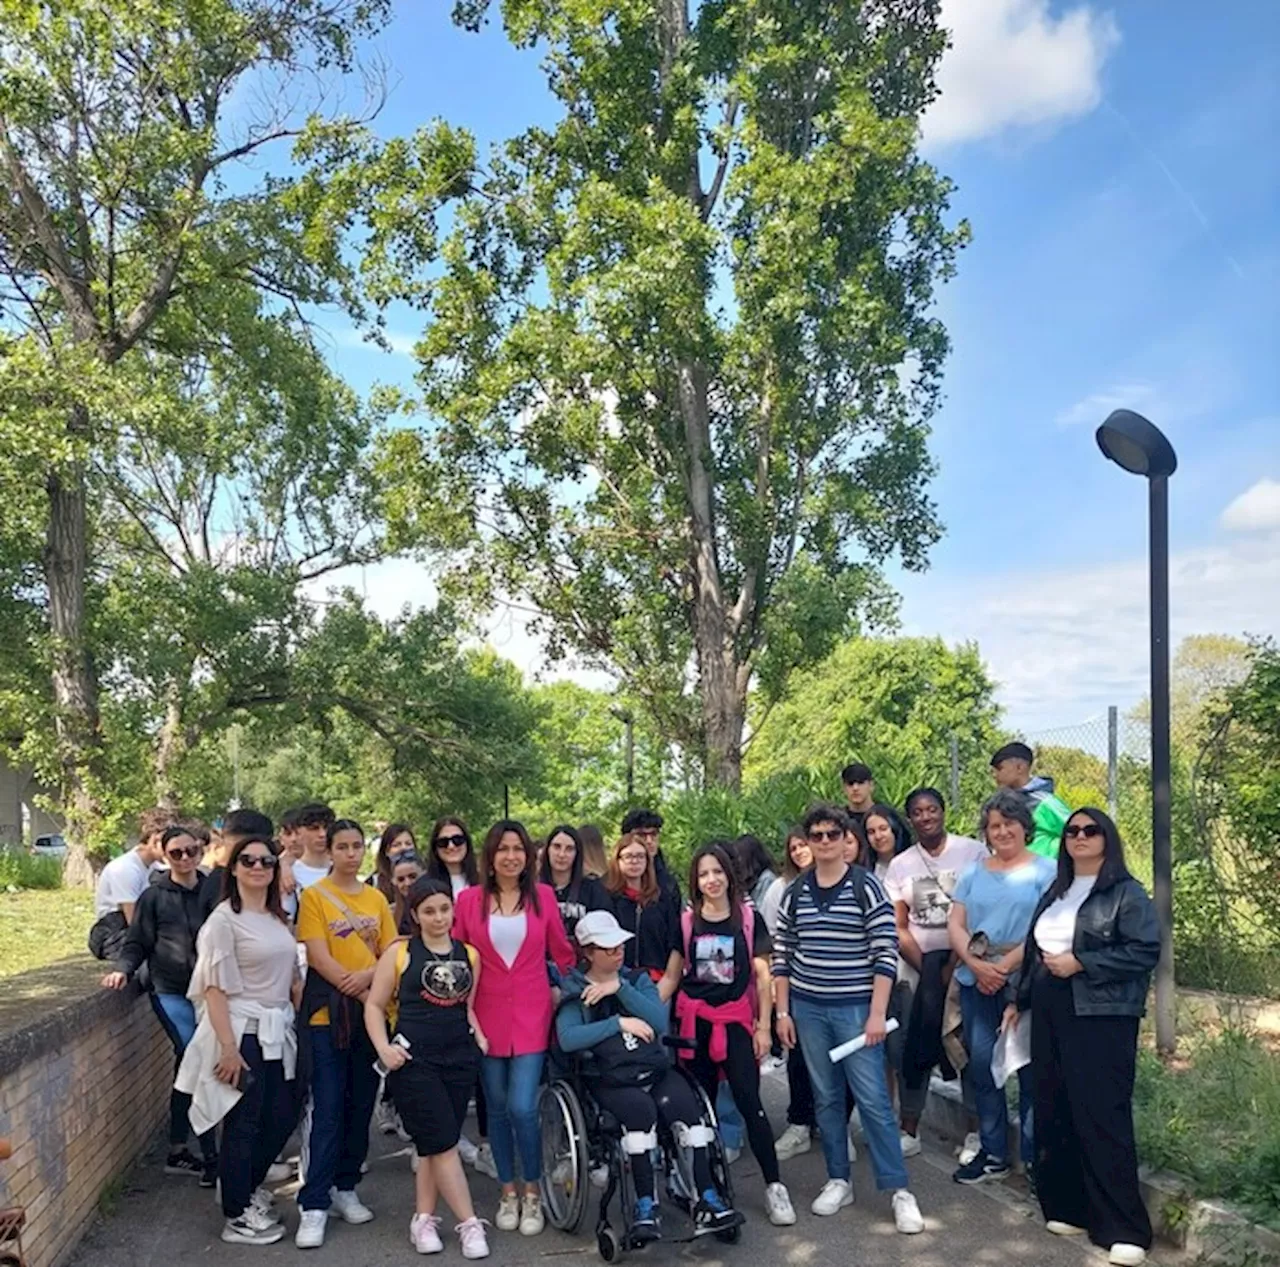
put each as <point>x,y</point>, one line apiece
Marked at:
<point>1120,170</point>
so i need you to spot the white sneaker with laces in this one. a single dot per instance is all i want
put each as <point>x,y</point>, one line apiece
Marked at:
<point>531,1218</point>
<point>777,1201</point>
<point>508,1217</point>
<point>910,1144</point>
<point>251,1228</point>
<point>349,1208</point>
<point>471,1235</point>
<point>971,1147</point>
<point>467,1150</point>
<point>835,1195</point>
<point>311,1225</point>
<point>424,1234</point>
<point>1127,1255</point>
<point>792,1142</point>
<point>906,1213</point>
<point>484,1163</point>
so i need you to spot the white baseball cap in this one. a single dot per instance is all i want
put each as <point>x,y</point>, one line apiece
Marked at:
<point>600,928</point>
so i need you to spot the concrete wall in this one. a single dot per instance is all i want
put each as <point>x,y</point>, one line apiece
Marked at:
<point>18,795</point>
<point>84,1084</point>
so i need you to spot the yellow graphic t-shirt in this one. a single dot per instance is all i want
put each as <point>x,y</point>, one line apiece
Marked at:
<point>356,927</point>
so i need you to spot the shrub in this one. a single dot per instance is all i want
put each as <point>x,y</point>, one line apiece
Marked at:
<point>23,871</point>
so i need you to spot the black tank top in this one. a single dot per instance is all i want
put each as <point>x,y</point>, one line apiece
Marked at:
<point>434,990</point>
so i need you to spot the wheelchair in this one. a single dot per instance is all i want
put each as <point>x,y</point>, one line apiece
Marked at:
<point>578,1137</point>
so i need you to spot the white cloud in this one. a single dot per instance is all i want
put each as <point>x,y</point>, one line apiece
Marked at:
<point>1257,509</point>
<point>1093,409</point>
<point>400,343</point>
<point>1013,64</point>
<point>1064,645</point>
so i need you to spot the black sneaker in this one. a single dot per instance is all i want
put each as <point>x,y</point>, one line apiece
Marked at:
<point>712,1215</point>
<point>982,1169</point>
<point>209,1174</point>
<point>183,1163</point>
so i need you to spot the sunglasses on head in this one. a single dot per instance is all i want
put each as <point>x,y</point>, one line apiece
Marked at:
<point>831,833</point>
<point>264,860</point>
<point>1083,831</point>
<point>451,842</point>
<point>186,851</point>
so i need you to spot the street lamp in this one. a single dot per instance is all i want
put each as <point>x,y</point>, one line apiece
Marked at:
<point>627,718</point>
<point>1141,448</point>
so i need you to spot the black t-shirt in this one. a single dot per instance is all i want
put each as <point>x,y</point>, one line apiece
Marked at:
<point>433,995</point>
<point>211,892</point>
<point>656,928</point>
<point>718,969</point>
<point>591,895</point>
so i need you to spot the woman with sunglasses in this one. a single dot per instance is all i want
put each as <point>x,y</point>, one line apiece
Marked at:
<point>346,926</point>
<point>562,869</point>
<point>453,857</point>
<point>396,842</point>
<point>240,1066</point>
<point>162,935</point>
<point>1087,963</point>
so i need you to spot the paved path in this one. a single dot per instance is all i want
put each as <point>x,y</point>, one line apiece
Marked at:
<point>170,1221</point>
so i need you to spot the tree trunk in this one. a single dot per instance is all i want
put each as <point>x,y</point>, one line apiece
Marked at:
<point>171,744</point>
<point>77,724</point>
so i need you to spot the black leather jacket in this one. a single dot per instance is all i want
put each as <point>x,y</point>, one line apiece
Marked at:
<point>1117,941</point>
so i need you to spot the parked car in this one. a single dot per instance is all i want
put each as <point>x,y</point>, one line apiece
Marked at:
<point>50,847</point>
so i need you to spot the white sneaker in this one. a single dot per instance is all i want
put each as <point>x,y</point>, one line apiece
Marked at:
<point>279,1172</point>
<point>474,1242</point>
<point>910,1144</point>
<point>531,1218</point>
<point>1127,1255</point>
<point>731,1155</point>
<point>424,1234</point>
<point>349,1208</point>
<point>467,1151</point>
<point>508,1217</point>
<point>311,1225</point>
<point>835,1195</point>
<point>251,1228</point>
<point>906,1213</point>
<point>777,1201</point>
<point>971,1147</point>
<point>484,1163</point>
<point>264,1201</point>
<point>1059,1228</point>
<point>792,1142</point>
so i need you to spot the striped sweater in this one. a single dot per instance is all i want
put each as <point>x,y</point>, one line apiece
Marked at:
<point>832,950</point>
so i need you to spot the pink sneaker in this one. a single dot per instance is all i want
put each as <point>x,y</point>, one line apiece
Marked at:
<point>474,1242</point>
<point>424,1233</point>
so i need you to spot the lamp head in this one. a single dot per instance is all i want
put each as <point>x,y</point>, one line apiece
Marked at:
<point>1135,444</point>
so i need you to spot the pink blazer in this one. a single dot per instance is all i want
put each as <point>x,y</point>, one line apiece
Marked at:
<point>513,1005</point>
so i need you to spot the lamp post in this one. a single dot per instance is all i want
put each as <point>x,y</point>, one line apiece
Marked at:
<point>1141,448</point>
<point>627,718</point>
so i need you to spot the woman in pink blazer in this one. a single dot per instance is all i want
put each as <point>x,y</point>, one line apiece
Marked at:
<point>514,923</point>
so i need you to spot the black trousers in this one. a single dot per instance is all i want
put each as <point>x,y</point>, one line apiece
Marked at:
<point>1086,1166</point>
<point>743,1075</point>
<point>256,1129</point>
<point>179,1101</point>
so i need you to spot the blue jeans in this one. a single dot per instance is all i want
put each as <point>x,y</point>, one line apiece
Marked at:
<point>981,1015</point>
<point>822,1026</point>
<point>344,1087</point>
<point>733,1130</point>
<point>177,1016</point>
<point>511,1091</point>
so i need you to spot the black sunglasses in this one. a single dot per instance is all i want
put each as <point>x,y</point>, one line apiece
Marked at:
<point>450,842</point>
<point>263,860</point>
<point>832,833</point>
<point>188,851</point>
<point>1086,831</point>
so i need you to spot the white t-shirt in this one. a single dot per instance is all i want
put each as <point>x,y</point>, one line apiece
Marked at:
<point>458,882</point>
<point>305,875</point>
<point>507,932</point>
<point>1056,928</point>
<point>123,879</point>
<point>925,883</point>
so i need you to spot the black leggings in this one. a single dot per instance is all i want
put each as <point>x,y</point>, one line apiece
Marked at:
<point>743,1075</point>
<point>671,1100</point>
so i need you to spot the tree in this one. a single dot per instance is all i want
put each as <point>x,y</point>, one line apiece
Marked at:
<point>893,703</point>
<point>127,224</point>
<point>1205,667</point>
<point>681,352</point>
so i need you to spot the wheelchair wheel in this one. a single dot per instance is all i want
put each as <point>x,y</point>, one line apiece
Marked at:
<point>608,1245</point>
<point>565,1185</point>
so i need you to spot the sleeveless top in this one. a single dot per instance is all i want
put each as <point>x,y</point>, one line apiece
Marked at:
<point>432,996</point>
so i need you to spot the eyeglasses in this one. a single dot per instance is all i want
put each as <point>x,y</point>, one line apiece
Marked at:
<point>263,860</point>
<point>451,842</point>
<point>192,851</point>
<point>1085,831</point>
<point>646,833</point>
<point>831,833</point>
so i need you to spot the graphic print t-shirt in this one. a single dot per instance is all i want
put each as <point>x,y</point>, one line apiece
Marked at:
<point>434,990</point>
<point>718,970</point>
<point>925,883</point>
<point>355,942</point>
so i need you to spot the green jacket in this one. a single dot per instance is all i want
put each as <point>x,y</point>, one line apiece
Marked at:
<point>1050,815</point>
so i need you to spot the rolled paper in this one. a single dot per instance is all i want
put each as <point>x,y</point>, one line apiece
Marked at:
<point>837,1054</point>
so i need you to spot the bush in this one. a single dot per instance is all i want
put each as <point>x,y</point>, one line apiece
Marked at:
<point>24,871</point>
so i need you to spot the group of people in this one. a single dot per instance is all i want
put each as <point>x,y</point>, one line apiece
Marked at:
<point>290,986</point>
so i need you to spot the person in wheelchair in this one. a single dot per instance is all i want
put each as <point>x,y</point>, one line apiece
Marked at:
<point>618,1016</point>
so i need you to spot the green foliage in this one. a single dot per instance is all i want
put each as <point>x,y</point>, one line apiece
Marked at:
<point>21,870</point>
<point>681,347</point>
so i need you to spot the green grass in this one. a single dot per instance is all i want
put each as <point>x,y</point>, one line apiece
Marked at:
<point>21,870</point>
<point>39,927</point>
<point>1213,1116</point>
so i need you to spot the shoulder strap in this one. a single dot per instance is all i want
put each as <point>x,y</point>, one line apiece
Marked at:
<point>858,875</point>
<point>328,894</point>
<point>749,929</point>
<point>686,931</point>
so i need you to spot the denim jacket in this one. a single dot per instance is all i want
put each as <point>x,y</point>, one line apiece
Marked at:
<point>1117,941</point>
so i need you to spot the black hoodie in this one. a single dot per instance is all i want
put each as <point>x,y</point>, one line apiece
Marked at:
<point>163,935</point>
